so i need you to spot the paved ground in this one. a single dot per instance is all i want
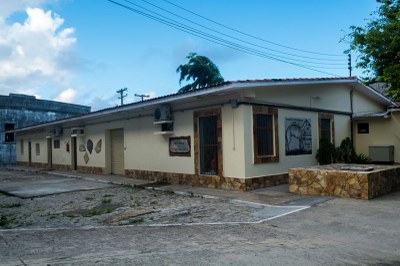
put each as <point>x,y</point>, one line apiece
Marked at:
<point>332,232</point>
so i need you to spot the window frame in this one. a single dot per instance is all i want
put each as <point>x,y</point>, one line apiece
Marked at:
<point>196,138</point>
<point>37,149</point>
<point>362,131</point>
<point>58,142</point>
<point>330,117</point>
<point>7,135</point>
<point>273,112</point>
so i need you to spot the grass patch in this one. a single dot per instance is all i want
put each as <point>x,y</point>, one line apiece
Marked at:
<point>12,205</point>
<point>89,198</point>
<point>135,221</point>
<point>97,211</point>
<point>134,188</point>
<point>136,204</point>
<point>5,222</point>
<point>106,200</point>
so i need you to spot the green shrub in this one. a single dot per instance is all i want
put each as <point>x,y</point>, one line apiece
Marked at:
<point>325,152</point>
<point>345,153</point>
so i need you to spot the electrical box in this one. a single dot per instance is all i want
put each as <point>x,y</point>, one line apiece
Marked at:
<point>381,154</point>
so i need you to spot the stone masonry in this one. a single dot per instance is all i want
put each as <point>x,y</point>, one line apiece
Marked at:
<point>333,181</point>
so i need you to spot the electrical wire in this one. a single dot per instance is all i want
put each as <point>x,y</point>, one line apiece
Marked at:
<point>241,40</point>
<point>249,35</point>
<point>174,24</point>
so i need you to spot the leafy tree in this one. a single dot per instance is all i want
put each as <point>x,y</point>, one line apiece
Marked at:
<point>201,70</point>
<point>379,46</point>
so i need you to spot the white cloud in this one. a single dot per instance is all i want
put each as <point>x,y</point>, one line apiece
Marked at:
<point>34,54</point>
<point>7,7</point>
<point>67,95</point>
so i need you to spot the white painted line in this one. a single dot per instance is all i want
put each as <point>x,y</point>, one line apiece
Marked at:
<point>155,225</point>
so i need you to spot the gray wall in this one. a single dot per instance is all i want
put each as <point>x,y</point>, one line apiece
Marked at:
<point>25,110</point>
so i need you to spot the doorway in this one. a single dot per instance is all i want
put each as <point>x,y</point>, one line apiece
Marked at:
<point>49,153</point>
<point>29,153</point>
<point>74,154</point>
<point>117,151</point>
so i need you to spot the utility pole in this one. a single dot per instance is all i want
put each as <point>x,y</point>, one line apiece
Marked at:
<point>349,63</point>
<point>122,95</point>
<point>142,96</point>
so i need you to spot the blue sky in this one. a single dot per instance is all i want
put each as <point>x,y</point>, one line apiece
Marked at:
<point>83,51</point>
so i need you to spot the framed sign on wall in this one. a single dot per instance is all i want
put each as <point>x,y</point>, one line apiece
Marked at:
<point>179,146</point>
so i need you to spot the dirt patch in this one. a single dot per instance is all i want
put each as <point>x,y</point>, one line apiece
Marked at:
<point>120,205</point>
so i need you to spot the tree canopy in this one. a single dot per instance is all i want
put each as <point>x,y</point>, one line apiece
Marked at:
<point>379,46</point>
<point>201,70</point>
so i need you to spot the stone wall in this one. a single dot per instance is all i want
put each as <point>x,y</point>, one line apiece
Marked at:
<point>344,183</point>
<point>228,183</point>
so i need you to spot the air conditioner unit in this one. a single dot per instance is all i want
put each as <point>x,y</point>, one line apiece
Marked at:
<point>75,132</point>
<point>57,131</point>
<point>381,154</point>
<point>162,113</point>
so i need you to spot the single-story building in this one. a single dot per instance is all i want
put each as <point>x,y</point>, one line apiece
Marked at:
<point>237,135</point>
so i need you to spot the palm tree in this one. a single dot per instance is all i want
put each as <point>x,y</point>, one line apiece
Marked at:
<point>201,70</point>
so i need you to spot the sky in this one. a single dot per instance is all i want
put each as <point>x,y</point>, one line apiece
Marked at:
<point>83,51</point>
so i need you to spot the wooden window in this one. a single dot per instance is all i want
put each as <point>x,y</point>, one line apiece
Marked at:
<point>9,137</point>
<point>37,146</point>
<point>265,134</point>
<point>363,128</point>
<point>326,127</point>
<point>56,144</point>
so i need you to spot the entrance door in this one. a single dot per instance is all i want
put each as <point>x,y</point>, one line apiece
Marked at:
<point>117,151</point>
<point>74,154</point>
<point>49,153</point>
<point>208,145</point>
<point>29,153</point>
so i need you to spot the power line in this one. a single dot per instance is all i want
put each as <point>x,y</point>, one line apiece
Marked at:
<point>212,38</point>
<point>241,40</point>
<point>249,35</point>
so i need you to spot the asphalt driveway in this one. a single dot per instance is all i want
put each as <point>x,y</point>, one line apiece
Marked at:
<point>29,185</point>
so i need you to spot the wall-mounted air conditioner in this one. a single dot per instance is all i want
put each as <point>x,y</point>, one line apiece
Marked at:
<point>76,132</point>
<point>57,131</point>
<point>162,113</point>
<point>381,154</point>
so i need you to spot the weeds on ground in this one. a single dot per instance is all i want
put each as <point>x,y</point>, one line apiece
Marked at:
<point>12,205</point>
<point>97,211</point>
<point>106,200</point>
<point>5,222</point>
<point>134,221</point>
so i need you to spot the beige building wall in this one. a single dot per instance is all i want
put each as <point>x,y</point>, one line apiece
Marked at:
<point>362,104</point>
<point>330,97</point>
<point>61,155</point>
<point>146,151</point>
<point>233,147</point>
<point>382,132</point>
<point>285,162</point>
<point>342,126</point>
<point>38,138</point>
